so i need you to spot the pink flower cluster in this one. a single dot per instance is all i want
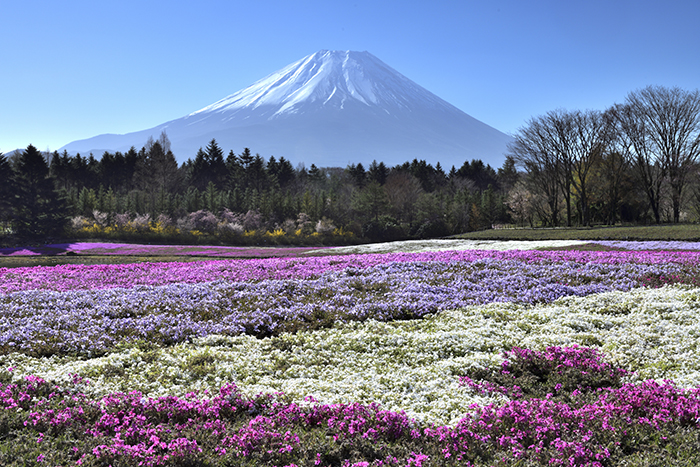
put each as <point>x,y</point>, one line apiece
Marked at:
<point>105,276</point>
<point>130,249</point>
<point>567,434</point>
<point>587,430</point>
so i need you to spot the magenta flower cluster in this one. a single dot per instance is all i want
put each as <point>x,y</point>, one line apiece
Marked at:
<point>130,249</point>
<point>585,428</point>
<point>267,297</point>
<point>82,277</point>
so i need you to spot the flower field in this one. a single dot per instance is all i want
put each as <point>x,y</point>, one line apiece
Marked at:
<point>129,249</point>
<point>453,357</point>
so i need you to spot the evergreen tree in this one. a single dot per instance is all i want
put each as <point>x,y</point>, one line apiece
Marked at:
<point>378,172</point>
<point>216,166</point>
<point>107,169</point>
<point>255,174</point>
<point>440,176</point>
<point>92,174</point>
<point>316,175</point>
<point>87,202</point>
<point>372,201</point>
<point>272,169</point>
<point>163,168</point>
<point>425,173</point>
<point>357,174</point>
<point>246,158</point>
<point>39,210</point>
<point>6,189</point>
<point>508,174</point>
<point>234,171</point>
<point>79,170</point>
<point>60,170</point>
<point>285,172</point>
<point>128,168</point>
<point>482,175</point>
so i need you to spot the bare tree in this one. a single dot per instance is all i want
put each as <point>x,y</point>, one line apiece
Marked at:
<point>559,150</point>
<point>661,131</point>
<point>164,142</point>
<point>533,150</point>
<point>587,140</point>
<point>633,144</point>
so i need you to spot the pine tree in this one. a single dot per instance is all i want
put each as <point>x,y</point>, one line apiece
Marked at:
<point>378,172</point>
<point>39,210</point>
<point>285,172</point>
<point>198,176</point>
<point>372,201</point>
<point>357,174</point>
<point>316,175</point>
<point>216,166</point>
<point>6,190</point>
<point>255,173</point>
<point>246,158</point>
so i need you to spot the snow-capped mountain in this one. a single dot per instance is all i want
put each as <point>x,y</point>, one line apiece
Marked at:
<point>331,108</point>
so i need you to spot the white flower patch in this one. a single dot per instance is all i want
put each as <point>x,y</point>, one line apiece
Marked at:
<point>419,246</point>
<point>412,366</point>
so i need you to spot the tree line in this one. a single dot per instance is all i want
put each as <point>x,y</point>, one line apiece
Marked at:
<point>634,162</point>
<point>412,200</point>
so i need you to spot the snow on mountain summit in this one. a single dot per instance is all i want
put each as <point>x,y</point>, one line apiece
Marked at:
<point>326,78</point>
<point>331,108</point>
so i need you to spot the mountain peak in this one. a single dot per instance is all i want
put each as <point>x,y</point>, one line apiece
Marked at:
<point>331,108</point>
<point>325,78</point>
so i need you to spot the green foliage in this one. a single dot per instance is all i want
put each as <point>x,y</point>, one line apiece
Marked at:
<point>384,228</point>
<point>38,208</point>
<point>371,202</point>
<point>6,188</point>
<point>413,200</point>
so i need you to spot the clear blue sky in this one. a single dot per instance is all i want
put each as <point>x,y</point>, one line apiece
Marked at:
<point>74,69</point>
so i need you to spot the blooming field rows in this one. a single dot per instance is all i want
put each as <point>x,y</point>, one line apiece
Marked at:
<point>432,338</point>
<point>89,277</point>
<point>260,299</point>
<point>130,249</point>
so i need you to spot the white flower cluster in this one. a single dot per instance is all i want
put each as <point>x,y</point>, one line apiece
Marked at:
<point>406,365</point>
<point>420,246</point>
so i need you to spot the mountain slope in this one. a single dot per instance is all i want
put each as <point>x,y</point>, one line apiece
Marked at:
<point>330,108</point>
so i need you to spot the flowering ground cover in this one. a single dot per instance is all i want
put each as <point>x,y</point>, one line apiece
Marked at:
<point>103,276</point>
<point>649,245</point>
<point>435,358</point>
<point>420,246</point>
<point>597,422</point>
<point>259,298</point>
<point>129,249</point>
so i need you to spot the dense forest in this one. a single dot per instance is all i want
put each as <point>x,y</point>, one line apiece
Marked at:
<point>235,194</point>
<point>636,162</point>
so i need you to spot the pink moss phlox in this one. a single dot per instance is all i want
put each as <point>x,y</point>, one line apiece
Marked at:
<point>582,358</point>
<point>81,277</point>
<point>160,430</point>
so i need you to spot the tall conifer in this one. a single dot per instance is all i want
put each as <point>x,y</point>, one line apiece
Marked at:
<point>39,210</point>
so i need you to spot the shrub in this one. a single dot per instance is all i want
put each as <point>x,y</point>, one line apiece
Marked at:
<point>122,220</point>
<point>386,228</point>
<point>142,222</point>
<point>252,221</point>
<point>204,221</point>
<point>324,227</point>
